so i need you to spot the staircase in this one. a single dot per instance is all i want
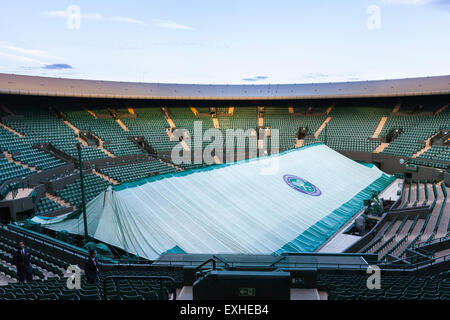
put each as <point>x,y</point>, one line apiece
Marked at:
<point>427,146</point>
<point>11,130</point>
<point>317,133</point>
<point>194,111</point>
<point>58,200</point>
<point>396,108</point>
<point>91,113</point>
<point>105,177</point>
<point>172,165</point>
<point>260,122</point>
<point>108,153</point>
<point>381,147</point>
<point>442,109</point>
<point>329,109</point>
<point>379,127</point>
<point>291,110</point>
<point>9,157</point>
<point>122,125</point>
<point>421,151</point>
<point>172,125</point>
<point>84,143</point>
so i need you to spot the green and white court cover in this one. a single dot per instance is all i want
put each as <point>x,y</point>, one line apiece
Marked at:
<point>293,201</point>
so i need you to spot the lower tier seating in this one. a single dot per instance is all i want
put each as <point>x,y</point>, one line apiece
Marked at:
<point>393,287</point>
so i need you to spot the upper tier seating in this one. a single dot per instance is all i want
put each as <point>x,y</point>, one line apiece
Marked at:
<point>415,128</point>
<point>93,185</point>
<point>351,126</point>
<point>39,126</point>
<point>114,137</point>
<point>288,125</point>
<point>151,124</point>
<point>22,150</point>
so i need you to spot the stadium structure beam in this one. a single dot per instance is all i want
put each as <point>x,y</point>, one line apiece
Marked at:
<point>83,201</point>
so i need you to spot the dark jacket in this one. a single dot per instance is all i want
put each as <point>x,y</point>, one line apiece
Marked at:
<point>22,261</point>
<point>91,271</point>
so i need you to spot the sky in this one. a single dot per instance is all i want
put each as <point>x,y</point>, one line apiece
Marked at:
<point>226,41</point>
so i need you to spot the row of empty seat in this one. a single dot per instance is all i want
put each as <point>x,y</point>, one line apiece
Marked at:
<point>136,171</point>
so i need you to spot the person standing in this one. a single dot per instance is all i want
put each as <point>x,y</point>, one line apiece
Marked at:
<point>91,269</point>
<point>22,261</point>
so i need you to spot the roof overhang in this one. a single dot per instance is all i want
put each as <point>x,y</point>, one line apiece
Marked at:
<point>58,87</point>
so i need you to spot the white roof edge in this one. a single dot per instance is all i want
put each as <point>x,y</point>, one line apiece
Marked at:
<point>44,86</point>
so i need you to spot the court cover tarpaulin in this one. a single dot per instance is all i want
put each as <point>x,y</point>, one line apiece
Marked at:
<point>293,201</point>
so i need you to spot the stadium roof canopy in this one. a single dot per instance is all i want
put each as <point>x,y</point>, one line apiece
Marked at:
<point>44,86</point>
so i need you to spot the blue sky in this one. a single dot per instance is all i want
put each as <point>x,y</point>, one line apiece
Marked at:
<point>233,41</point>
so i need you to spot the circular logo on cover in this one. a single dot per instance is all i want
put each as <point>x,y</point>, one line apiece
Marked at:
<point>301,185</point>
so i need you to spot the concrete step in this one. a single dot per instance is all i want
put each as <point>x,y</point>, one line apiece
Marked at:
<point>379,127</point>
<point>194,111</point>
<point>17,133</point>
<point>442,109</point>
<point>381,147</point>
<point>105,177</point>
<point>329,109</point>
<point>426,147</point>
<point>216,123</point>
<point>58,200</point>
<point>396,108</point>
<point>317,133</point>
<point>9,157</point>
<point>122,125</point>
<point>291,110</point>
<point>171,165</point>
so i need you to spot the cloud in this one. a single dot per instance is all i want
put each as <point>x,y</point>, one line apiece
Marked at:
<point>30,52</point>
<point>255,78</point>
<point>171,25</point>
<point>127,20</point>
<point>67,14</point>
<point>93,16</point>
<point>316,75</point>
<point>21,58</point>
<point>57,66</point>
